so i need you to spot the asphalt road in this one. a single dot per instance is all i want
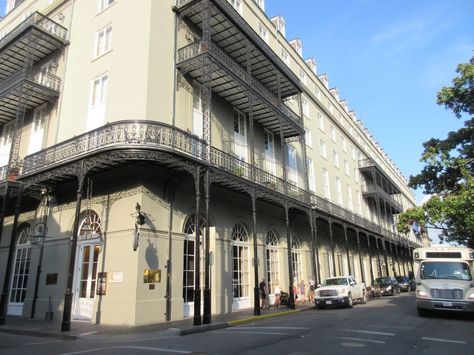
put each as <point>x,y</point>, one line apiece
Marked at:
<point>383,326</point>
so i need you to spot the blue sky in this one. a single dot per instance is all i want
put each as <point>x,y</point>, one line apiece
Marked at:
<point>388,58</point>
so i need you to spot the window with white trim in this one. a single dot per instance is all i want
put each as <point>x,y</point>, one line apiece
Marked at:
<point>308,138</point>
<point>359,202</point>
<point>302,76</point>
<point>103,41</point>
<point>311,177</point>
<point>305,107</point>
<point>322,149</point>
<point>354,155</point>
<point>344,143</point>
<point>349,198</point>
<point>292,165</point>
<point>335,158</point>
<point>96,114</point>
<point>333,133</point>
<point>346,168</point>
<point>263,32</point>
<point>320,121</point>
<point>339,190</point>
<point>6,142</point>
<point>272,262</point>
<point>285,57</point>
<point>103,4</point>
<point>296,260</point>
<point>318,93</point>
<point>327,190</point>
<point>188,256</point>
<point>240,261</point>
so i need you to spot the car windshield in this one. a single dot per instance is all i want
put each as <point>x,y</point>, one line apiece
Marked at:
<point>382,280</point>
<point>401,278</point>
<point>454,270</point>
<point>337,281</point>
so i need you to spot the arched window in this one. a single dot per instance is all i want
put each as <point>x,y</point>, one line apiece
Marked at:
<point>90,226</point>
<point>21,270</point>
<point>296,259</point>
<point>188,256</point>
<point>240,261</point>
<point>271,256</point>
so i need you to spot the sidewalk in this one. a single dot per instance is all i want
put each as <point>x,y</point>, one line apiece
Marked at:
<point>52,329</point>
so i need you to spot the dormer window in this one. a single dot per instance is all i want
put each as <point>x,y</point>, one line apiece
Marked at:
<point>279,23</point>
<point>324,79</point>
<point>335,93</point>
<point>297,46</point>
<point>311,62</point>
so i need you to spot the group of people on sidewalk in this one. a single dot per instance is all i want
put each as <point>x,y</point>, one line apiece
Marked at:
<point>300,293</point>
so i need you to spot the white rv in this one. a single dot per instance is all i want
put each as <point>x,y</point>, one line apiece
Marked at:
<point>444,278</point>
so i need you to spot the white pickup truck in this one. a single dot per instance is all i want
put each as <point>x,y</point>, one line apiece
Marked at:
<point>340,291</point>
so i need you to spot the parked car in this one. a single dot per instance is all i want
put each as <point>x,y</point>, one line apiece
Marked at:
<point>386,285</point>
<point>405,283</point>
<point>340,291</point>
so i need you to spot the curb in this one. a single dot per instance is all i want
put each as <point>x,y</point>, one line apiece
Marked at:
<point>37,333</point>
<point>233,323</point>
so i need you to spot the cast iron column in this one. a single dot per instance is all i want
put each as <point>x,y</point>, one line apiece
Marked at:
<point>347,250</point>
<point>207,271</point>
<point>66,323</point>
<point>197,252</point>
<point>11,252</point>
<point>318,271</point>
<point>370,260</point>
<point>313,262</point>
<point>332,249</point>
<point>256,303</point>
<point>385,257</point>
<point>291,299</point>
<point>3,209</point>
<point>361,263</point>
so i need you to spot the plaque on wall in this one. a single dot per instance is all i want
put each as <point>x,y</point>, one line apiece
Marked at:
<point>51,279</point>
<point>116,276</point>
<point>151,276</point>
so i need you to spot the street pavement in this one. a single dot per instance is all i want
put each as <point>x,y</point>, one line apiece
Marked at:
<point>383,326</point>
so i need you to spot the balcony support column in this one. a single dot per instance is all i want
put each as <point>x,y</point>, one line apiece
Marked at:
<point>379,266</point>
<point>283,156</point>
<point>66,322</point>
<point>385,257</point>
<point>331,239</point>
<point>397,247</point>
<point>291,298</point>
<point>349,268</point>
<point>313,249</point>
<point>13,160</point>
<point>252,135</point>
<point>170,194</point>
<point>370,260</point>
<point>3,209</point>
<point>207,269</point>
<point>11,252</point>
<point>361,263</point>
<point>197,249</point>
<point>206,91</point>
<point>256,298</point>
<point>302,140</point>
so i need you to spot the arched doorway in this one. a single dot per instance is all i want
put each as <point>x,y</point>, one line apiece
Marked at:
<point>87,260</point>
<point>189,231</point>
<point>272,262</point>
<point>296,260</point>
<point>21,270</point>
<point>240,267</point>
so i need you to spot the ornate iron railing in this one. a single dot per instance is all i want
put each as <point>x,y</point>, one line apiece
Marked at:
<point>153,135</point>
<point>249,32</point>
<point>37,20</point>
<point>42,78</point>
<point>202,47</point>
<point>371,188</point>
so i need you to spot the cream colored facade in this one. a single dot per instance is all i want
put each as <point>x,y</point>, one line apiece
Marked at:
<point>150,101</point>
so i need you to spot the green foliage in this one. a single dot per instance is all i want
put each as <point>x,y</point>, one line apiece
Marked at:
<point>449,168</point>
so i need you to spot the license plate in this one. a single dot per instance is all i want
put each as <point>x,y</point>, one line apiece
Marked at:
<point>328,302</point>
<point>447,304</point>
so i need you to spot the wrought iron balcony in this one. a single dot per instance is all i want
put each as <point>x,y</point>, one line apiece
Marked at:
<point>375,190</point>
<point>370,166</point>
<point>33,88</point>
<point>189,60</point>
<point>37,36</point>
<point>231,31</point>
<point>147,135</point>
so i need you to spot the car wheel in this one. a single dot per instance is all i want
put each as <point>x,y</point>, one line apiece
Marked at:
<point>319,307</point>
<point>363,300</point>
<point>350,303</point>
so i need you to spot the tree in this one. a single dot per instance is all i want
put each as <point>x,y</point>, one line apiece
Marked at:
<point>448,174</point>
